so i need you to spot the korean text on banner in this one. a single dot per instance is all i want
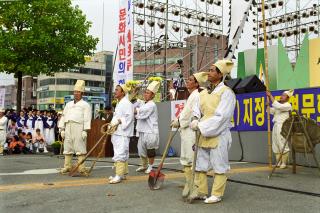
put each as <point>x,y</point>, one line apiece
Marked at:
<point>250,112</point>
<point>123,70</point>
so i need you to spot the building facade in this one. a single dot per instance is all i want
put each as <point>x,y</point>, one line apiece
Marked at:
<point>28,95</point>
<point>10,97</point>
<point>53,90</point>
<point>29,92</point>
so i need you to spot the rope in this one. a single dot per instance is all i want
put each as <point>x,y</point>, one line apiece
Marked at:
<point>110,130</point>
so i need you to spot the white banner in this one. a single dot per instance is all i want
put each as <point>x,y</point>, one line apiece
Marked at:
<point>238,9</point>
<point>123,70</point>
<point>176,108</point>
<point>2,97</point>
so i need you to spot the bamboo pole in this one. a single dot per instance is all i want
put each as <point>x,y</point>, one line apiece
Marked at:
<point>267,81</point>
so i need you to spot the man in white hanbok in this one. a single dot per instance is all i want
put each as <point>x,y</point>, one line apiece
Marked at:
<point>213,112</point>
<point>280,111</point>
<point>147,128</point>
<point>123,117</point>
<point>73,126</point>
<point>188,136</point>
<point>3,130</point>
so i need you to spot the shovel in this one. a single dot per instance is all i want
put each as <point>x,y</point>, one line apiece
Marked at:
<point>156,178</point>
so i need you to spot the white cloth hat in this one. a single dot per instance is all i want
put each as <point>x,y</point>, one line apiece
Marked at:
<point>225,66</point>
<point>289,93</point>
<point>79,86</point>
<point>201,77</point>
<point>154,86</point>
<point>2,110</point>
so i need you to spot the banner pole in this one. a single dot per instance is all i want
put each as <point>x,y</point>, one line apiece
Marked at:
<point>266,81</point>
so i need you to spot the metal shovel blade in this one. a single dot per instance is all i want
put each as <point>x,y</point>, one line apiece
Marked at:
<point>155,180</point>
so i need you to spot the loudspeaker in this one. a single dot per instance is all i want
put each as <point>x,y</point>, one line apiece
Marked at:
<point>250,84</point>
<point>182,93</point>
<point>232,83</point>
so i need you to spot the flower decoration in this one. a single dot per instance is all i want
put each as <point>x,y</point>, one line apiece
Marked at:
<point>155,78</point>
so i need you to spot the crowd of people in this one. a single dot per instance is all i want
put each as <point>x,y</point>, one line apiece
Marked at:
<point>29,131</point>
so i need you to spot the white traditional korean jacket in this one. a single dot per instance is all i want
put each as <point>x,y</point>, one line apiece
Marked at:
<point>124,111</point>
<point>147,118</point>
<point>79,112</point>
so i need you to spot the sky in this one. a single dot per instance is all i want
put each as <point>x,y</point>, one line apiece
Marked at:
<point>96,11</point>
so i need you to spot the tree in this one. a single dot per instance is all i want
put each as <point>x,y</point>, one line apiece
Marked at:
<point>42,37</point>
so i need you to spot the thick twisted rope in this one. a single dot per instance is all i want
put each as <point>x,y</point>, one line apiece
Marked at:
<point>110,130</point>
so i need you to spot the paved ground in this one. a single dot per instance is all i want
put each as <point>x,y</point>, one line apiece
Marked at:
<point>30,183</point>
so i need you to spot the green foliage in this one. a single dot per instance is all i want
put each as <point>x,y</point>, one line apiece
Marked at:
<point>56,144</point>
<point>42,36</point>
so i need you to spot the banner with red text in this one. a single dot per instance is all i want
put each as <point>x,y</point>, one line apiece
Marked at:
<point>123,70</point>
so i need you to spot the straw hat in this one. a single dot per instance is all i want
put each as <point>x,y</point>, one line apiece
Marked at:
<point>201,77</point>
<point>125,88</point>
<point>289,92</point>
<point>225,66</point>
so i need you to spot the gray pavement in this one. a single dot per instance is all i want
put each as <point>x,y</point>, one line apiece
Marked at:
<point>30,183</point>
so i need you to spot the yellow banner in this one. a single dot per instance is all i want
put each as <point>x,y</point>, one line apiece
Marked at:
<point>314,62</point>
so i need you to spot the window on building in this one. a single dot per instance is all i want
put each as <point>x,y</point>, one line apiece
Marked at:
<point>46,82</point>
<point>109,62</point>
<point>34,89</point>
<point>91,71</point>
<point>61,94</point>
<point>68,81</point>
<point>46,94</point>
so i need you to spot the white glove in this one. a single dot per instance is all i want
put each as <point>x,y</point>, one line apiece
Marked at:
<point>84,135</point>
<point>175,123</point>
<point>62,134</point>
<point>194,125</point>
<point>115,122</point>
